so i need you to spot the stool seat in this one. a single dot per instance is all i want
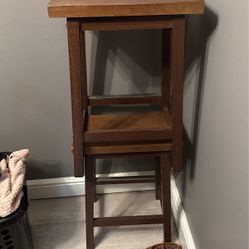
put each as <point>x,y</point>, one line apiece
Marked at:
<point>121,128</point>
<point>114,8</point>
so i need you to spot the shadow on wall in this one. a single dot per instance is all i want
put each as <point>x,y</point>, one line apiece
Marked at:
<point>198,33</point>
<point>38,169</point>
<point>125,62</point>
<point>135,56</point>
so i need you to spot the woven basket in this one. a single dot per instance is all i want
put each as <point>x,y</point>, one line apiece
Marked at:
<point>166,246</point>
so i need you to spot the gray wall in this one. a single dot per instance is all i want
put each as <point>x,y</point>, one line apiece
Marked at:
<point>215,183</point>
<point>34,103</point>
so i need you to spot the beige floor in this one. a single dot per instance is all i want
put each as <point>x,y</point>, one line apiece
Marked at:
<point>59,223</point>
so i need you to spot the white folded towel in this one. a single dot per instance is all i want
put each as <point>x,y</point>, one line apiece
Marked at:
<point>12,177</point>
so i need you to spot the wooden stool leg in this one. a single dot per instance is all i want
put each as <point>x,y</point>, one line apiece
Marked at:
<point>177,77</point>
<point>76,48</point>
<point>89,184</point>
<point>95,185</point>
<point>166,196</point>
<point>158,181</point>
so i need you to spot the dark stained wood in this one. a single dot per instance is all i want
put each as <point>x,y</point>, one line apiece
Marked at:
<point>125,149</point>
<point>128,142</point>
<point>166,196</point>
<point>84,123</point>
<point>126,23</point>
<point>132,122</point>
<point>95,179</point>
<point>83,70</point>
<point>125,180</point>
<point>89,186</point>
<point>98,8</point>
<point>154,126</point>
<point>128,220</point>
<point>165,69</point>
<point>127,136</point>
<point>130,155</point>
<point>123,100</point>
<point>158,181</point>
<point>74,49</point>
<point>177,76</point>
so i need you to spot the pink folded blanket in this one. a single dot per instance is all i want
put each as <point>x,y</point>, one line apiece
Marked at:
<point>12,177</point>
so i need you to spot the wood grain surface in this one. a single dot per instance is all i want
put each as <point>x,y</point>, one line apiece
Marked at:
<point>142,127</point>
<point>134,122</point>
<point>125,149</point>
<point>104,8</point>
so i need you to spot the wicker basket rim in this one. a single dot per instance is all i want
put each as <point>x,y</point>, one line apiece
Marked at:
<point>168,245</point>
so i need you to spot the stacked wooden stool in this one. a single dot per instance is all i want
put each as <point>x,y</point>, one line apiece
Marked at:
<point>124,135</point>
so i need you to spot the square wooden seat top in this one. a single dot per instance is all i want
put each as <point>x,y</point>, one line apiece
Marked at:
<point>122,8</point>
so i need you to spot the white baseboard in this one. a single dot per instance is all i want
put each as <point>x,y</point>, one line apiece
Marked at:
<point>71,186</point>
<point>183,229</point>
<point>74,186</point>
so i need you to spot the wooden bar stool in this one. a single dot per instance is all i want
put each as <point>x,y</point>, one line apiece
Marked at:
<point>124,135</point>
